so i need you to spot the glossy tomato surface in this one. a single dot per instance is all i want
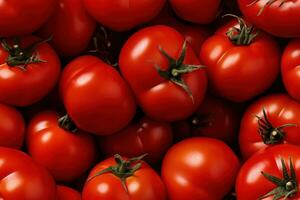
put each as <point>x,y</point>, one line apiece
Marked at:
<point>67,193</point>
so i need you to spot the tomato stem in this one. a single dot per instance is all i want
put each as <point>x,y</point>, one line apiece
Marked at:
<point>66,123</point>
<point>270,2</point>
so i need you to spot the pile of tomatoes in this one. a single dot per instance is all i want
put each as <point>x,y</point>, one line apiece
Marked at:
<point>150,100</point>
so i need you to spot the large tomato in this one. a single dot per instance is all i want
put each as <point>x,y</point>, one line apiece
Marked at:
<point>22,178</point>
<point>271,174</point>
<point>96,97</point>
<point>278,17</point>
<point>236,54</point>
<point>12,127</point>
<point>271,120</point>
<point>70,26</point>
<point>66,193</point>
<point>120,15</point>
<point>290,69</point>
<point>164,73</point>
<point>199,168</point>
<point>123,179</point>
<point>29,70</point>
<point>57,145</point>
<point>142,137</point>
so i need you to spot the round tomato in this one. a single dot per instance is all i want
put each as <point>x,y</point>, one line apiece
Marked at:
<point>278,17</point>
<point>143,137</point>
<point>163,72</point>
<point>199,168</point>
<point>271,174</point>
<point>271,120</point>
<point>123,179</point>
<point>96,97</point>
<point>120,15</point>
<point>22,178</point>
<point>66,193</point>
<point>29,70</point>
<point>234,55</point>
<point>57,145</point>
<point>12,127</point>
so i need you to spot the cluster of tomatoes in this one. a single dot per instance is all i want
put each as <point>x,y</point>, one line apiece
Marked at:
<point>150,100</point>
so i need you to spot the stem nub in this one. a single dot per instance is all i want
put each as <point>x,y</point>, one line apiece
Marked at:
<point>66,123</point>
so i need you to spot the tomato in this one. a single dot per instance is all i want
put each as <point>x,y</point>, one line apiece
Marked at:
<point>199,168</point>
<point>201,12</point>
<point>21,178</point>
<point>290,63</point>
<point>29,70</point>
<point>66,193</point>
<point>142,137</point>
<point>271,120</point>
<point>123,179</point>
<point>120,15</point>
<point>270,174</point>
<point>70,26</point>
<point>96,97</point>
<point>280,18</point>
<point>163,72</point>
<point>233,58</point>
<point>54,143</point>
<point>12,127</point>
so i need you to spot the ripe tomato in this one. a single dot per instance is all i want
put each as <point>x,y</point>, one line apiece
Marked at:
<point>96,97</point>
<point>29,70</point>
<point>271,174</point>
<point>164,73</point>
<point>199,168</point>
<point>236,54</point>
<point>54,143</point>
<point>142,137</point>
<point>120,15</point>
<point>66,193</point>
<point>12,127</point>
<point>202,12</point>
<point>271,120</point>
<point>278,17</point>
<point>119,179</point>
<point>70,26</point>
<point>22,178</point>
<point>290,63</point>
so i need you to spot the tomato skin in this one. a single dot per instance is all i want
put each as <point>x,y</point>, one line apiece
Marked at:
<point>122,15</point>
<point>71,28</point>
<point>144,136</point>
<point>161,99</point>
<point>144,185</point>
<point>25,87</point>
<point>22,178</point>
<point>66,193</point>
<point>193,160</point>
<point>290,68</point>
<point>89,79</point>
<point>279,20</point>
<point>12,127</point>
<point>225,60</point>
<point>251,184</point>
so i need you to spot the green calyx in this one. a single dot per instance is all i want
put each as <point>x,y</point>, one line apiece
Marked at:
<point>177,68</point>
<point>66,123</point>
<point>286,187</point>
<point>268,3</point>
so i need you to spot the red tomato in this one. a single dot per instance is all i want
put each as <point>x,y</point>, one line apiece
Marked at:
<point>278,17</point>
<point>12,127</point>
<point>199,168</point>
<point>202,12</point>
<point>29,70</point>
<point>96,97</point>
<point>70,26</point>
<point>54,143</point>
<point>234,58</point>
<point>120,15</point>
<point>279,124</point>
<point>66,193</point>
<point>21,178</point>
<point>24,17</point>
<point>164,73</point>
<point>271,170</point>
<point>290,70</point>
<point>118,179</point>
<point>143,137</point>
